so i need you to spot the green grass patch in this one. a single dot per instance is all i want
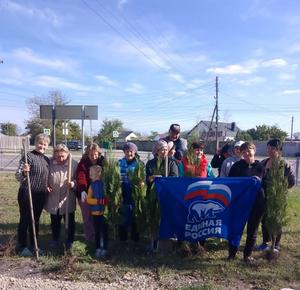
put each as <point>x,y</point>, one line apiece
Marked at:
<point>168,270</point>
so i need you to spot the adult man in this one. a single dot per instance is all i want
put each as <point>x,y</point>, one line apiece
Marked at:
<point>229,161</point>
<point>220,156</point>
<point>180,143</point>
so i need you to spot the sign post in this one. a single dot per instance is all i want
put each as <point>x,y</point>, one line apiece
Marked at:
<point>63,112</point>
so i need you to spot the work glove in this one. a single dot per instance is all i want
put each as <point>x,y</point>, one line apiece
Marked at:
<point>83,196</point>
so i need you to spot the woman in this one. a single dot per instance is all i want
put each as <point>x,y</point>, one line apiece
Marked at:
<point>92,156</point>
<point>196,164</point>
<point>38,170</point>
<point>127,165</point>
<point>61,197</point>
<point>157,165</point>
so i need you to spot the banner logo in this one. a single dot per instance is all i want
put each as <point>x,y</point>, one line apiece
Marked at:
<point>211,199</point>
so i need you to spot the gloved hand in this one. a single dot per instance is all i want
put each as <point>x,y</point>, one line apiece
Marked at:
<point>83,196</point>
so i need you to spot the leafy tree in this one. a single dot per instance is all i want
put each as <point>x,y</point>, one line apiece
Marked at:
<point>276,199</point>
<point>263,133</point>
<point>152,135</point>
<point>243,135</point>
<point>106,132</point>
<point>9,129</point>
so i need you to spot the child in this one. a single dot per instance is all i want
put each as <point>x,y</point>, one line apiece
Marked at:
<point>97,202</point>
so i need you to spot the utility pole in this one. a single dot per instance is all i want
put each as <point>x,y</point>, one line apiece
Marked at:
<point>217,112</point>
<point>292,127</point>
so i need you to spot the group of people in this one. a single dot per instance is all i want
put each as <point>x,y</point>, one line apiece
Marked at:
<point>58,181</point>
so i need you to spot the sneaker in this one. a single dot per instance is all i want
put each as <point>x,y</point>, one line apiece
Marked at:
<point>249,260</point>
<point>26,253</point>
<point>231,256</point>
<point>262,247</point>
<point>103,253</point>
<point>98,253</point>
<point>277,248</point>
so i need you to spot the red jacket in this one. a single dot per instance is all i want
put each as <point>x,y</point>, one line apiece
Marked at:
<point>82,174</point>
<point>197,170</point>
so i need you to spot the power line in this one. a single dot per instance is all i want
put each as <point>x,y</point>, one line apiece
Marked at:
<point>144,39</point>
<point>123,36</point>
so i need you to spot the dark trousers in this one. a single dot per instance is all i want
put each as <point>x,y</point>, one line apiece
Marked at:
<point>267,237</point>
<point>128,224</point>
<point>101,231</point>
<point>252,225</point>
<point>25,222</point>
<point>56,225</point>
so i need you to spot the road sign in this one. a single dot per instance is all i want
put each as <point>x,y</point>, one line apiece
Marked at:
<point>115,134</point>
<point>47,131</point>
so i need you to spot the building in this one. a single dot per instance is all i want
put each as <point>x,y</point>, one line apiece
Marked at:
<point>205,130</point>
<point>125,136</point>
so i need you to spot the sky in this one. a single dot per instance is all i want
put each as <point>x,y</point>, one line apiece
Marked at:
<point>153,63</point>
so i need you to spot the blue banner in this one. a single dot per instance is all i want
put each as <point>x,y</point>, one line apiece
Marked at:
<point>193,209</point>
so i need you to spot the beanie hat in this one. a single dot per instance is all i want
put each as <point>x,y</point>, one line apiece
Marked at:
<point>159,145</point>
<point>130,146</point>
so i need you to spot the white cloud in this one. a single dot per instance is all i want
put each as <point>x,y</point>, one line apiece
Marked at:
<point>230,70</point>
<point>177,77</point>
<point>286,76</point>
<point>252,81</point>
<point>117,105</point>
<point>10,81</point>
<point>27,55</point>
<point>291,92</point>
<point>295,48</point>
<point>135,88</point>
<point>107,81</point>
<point>55,82</point>
<point>32,12</point>
<point>180,93</point>
<point>277,62</point>
<point>121,3</point>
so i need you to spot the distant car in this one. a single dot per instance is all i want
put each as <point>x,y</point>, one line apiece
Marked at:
<point>74,145</point>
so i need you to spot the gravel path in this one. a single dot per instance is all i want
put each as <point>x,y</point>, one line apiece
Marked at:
<point>9,283</point>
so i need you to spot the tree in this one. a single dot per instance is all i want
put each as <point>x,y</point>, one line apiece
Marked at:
<point>9,129</point>
<point>243,135</point>
<point>35,125</point>
<point>263,133</point>
<point>276,200</point>
<point>106,132</point>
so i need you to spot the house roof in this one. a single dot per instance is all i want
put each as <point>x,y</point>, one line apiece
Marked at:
<point>124,134</point>
<point>222,126</point>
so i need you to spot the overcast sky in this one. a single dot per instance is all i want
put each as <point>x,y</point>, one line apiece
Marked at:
<point>151,63</point>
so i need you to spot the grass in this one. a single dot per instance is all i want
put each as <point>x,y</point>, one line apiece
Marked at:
<point>167,270</point>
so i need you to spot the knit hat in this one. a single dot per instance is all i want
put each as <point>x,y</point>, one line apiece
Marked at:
<point>130,146</point>
<point>159,145</point>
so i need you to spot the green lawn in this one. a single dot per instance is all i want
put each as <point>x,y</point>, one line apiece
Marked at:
<point>210,271</point>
